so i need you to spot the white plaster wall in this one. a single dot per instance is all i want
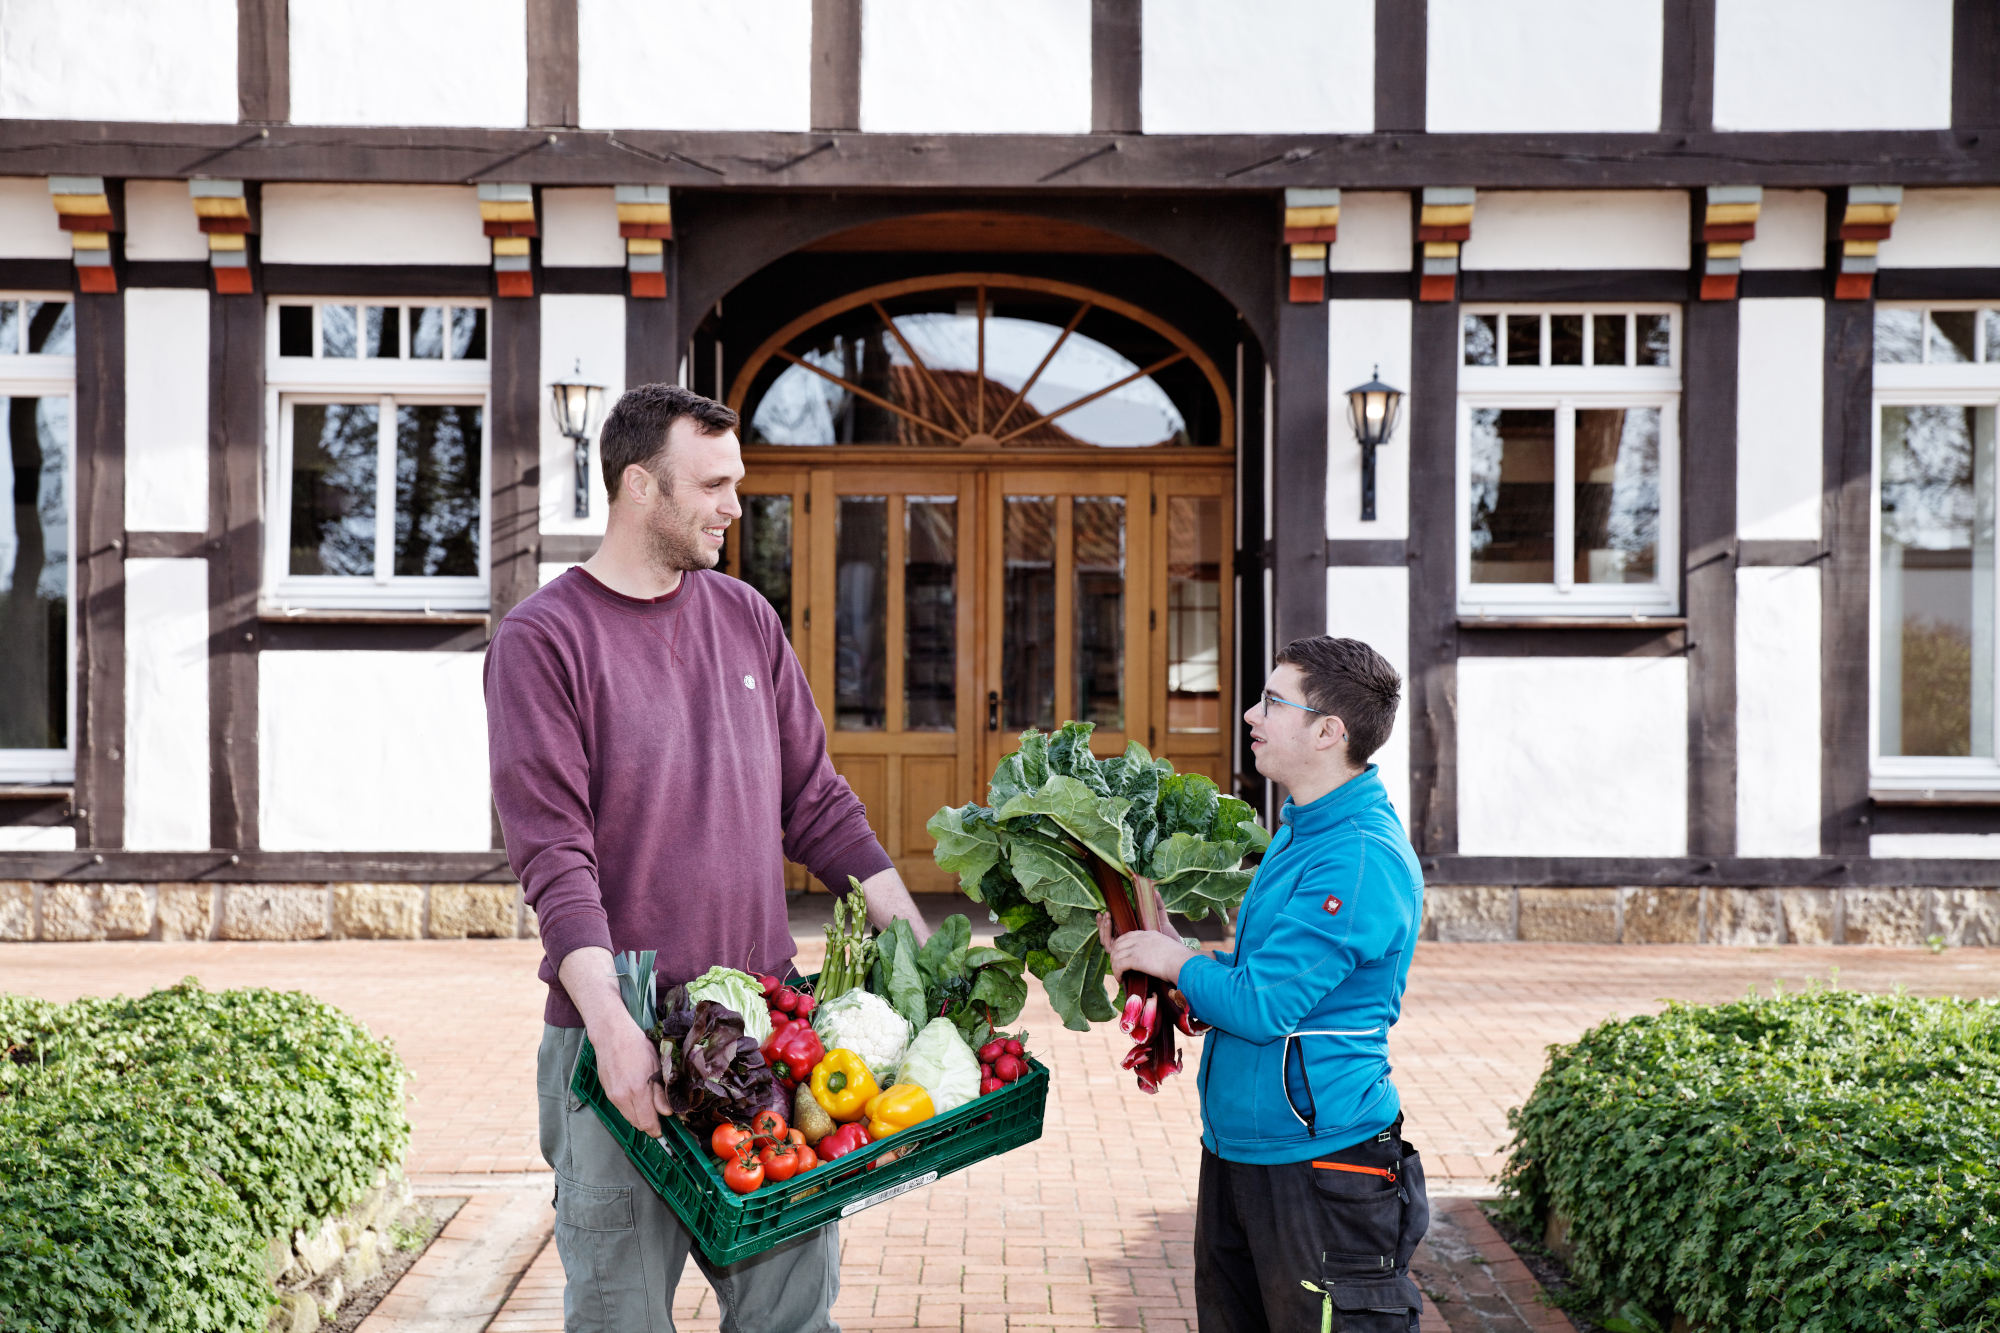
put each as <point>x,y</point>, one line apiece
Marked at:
<point>1832,64</point>
<point>166,705</point>
<point>408,62</point>
<point>1780,362</point>
<point>372,751</point>
<point>1571,229</point>
<point>1362,335</point>
<point>373,224</point>
<point>1530,66</point>
<point>166,409</point>
<point>37,838</point>
<point>695,64</point>
<point>1791,231</point>
<point>586,332</point>
<point>1372,604</point>
<point>28,227</point>
<point>1375,233</point>
<point>1572,756</point>
<point>1289,67</point>
<point>1967,846</point>
<point>160,222</point>
<point>580,230</point>
<point>969,67</point>
<point>118,60</point>
<point>1945,229</point>
<point>1777,711</point>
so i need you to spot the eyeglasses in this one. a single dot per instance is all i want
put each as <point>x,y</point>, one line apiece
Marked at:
<point>1270,698</point>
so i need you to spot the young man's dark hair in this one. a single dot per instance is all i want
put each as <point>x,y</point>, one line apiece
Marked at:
<point>1347,678</point>
<point>636,430</point>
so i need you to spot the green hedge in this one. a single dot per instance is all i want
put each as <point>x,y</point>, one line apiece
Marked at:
<point>1812,1162</point>
<point>149,1149</point>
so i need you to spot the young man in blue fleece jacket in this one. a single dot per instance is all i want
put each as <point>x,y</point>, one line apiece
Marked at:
<point>1310,1199</point>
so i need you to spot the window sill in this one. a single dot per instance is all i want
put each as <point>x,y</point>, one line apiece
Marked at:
<point>1933,796</point>
<point>1572,622</point>
<point>28,791</point>
<point>300,616</point>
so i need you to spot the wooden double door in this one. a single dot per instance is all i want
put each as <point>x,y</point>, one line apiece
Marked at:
<point>941,607</point>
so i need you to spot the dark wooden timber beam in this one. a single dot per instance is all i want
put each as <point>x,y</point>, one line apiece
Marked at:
<point>836,65</point>
<point>552,62</point>
<point>767,160</point>
<point>1115,51</point>
<point>1687,66</point>
<point>1402,65</point>
<point>263,61</point>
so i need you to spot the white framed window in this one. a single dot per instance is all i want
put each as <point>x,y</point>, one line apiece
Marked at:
<point>378,493</point>
<point>1935,696</point>
<point>37,538</point>
<point>1569,460</point>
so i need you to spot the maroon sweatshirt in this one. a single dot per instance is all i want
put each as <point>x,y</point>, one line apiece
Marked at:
<point>654,763</point>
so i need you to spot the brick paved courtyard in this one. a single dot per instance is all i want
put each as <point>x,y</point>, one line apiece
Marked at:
<point>1089,1227</point>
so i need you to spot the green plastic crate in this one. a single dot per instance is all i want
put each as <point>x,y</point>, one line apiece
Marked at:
<point>730,1226</point>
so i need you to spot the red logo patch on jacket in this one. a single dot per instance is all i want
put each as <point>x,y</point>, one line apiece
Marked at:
<point>1332,906</point>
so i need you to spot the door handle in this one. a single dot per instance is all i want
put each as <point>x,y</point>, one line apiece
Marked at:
<point>993,710</point>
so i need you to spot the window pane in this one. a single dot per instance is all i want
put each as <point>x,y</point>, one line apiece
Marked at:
<point>930,613</point>
<point>1098,530</point>
<point>1028,638</point>
<point>1899,337</point>
<point>1936,635</point>
<point>34,576</point>
<point>1656,345</point>
<point>1992,320</point>
<point>1524,340</point>
<point>1565,340</point>
<point>765,534</point>
<point>1482,340</point>
<point>437,490</point>
<point>295,330</point>
<point>468,334</point>
<point>333,487</point>
<point>1194,613</point>
<point>1617,494</point>
<point>1607,340</point>
<point>338,333</point>
<point>10,327</point>
<point>383,329</point>
<point>1952,335</point>
<point>860,613</point>
<point>1513,495</point>
<point>51,327</point>
<point>427,332</point>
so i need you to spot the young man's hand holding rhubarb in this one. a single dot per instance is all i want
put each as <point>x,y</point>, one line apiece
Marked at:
<point>656,758</point>
<point>1310,1200</point>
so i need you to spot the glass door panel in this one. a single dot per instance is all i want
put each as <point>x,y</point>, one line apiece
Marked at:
<point>1028,613</point>
<point>1097,536</point>
<point>930,613</point>
<point>1193,639</point>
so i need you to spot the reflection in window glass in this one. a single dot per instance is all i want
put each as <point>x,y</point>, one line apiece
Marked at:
<point>1513,495</point>
<point>930,613</point>
<point>10,327</point>
<point>1991,322</point>
<point>382,328</point>
<point>50,327</point>
<point>1565,340</point>
<point>1937,606</point>
<point>1952,334</point>
<point>334,449</point>
<point>764,535</point>
<point>437,490</point>
<point>1899,336</point>
<point>468,334</point>
<point>1194,613</point>
<point>1607,340</point>
<point>1028,617</point>
<point>1097,526</point>
<point>1524,340</point>
<point>860,613</point>
<point>1617,494</point>
<point>1482,340</point>
<point>34,576</point>
<point>338,334</point>
<point>427,332</point>
<point>1656,340</point>
<point>295,330</point>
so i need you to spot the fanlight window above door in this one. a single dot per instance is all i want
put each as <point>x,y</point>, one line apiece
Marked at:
<point>981,360</point>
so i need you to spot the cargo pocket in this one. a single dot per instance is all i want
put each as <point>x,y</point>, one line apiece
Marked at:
<point>1416,1209</point>
<point>1375,1305</point>
<point>1361,1219</point>
<point>593,1207</point>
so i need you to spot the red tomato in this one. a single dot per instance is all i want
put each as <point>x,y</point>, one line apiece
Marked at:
<point>795,1137</point>
<point>808,1159</point>
<point>743,1174</point>
<point>769,1124</point>
<point>778,1163</point>
<point>727,1139</point>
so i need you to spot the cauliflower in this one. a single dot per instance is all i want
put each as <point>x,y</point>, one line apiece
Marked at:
<point>863,1022</point>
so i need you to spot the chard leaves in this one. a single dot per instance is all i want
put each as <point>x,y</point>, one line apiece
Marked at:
<point>968,844</point>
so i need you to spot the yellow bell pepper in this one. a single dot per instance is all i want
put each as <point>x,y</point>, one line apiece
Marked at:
<point>842,1084</point>
<point>901,1106</point>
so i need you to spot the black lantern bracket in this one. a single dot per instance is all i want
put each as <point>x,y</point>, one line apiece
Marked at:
<point>576,405</point>
<point>1372,410</point>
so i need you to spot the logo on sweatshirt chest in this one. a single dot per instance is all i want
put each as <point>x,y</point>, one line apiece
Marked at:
<point>749,682</point>
<point>1332,905</point>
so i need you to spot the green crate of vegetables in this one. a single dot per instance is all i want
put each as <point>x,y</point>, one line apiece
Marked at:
<point>920,1024</point>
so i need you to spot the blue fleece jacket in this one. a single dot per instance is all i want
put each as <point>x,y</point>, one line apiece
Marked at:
<point>1298,1063</point>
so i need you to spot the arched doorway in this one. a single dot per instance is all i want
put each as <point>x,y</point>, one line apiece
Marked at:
<point>983,502</point>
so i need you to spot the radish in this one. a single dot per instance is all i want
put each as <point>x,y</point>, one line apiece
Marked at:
<point>786,999</point>
<point>1015,1048</point>
<point>769,984</point>
<point>992,1051</point>
<point>1008,1068</point>
<point>987,1085</point>
<point>805,1006</point>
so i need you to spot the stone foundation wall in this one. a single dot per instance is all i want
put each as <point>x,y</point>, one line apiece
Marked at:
<point>1892,916</point>
<point>35,911</point>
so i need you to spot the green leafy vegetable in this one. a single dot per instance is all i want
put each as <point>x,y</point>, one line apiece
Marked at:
<point>737,991</point>
<point>940,1062</point>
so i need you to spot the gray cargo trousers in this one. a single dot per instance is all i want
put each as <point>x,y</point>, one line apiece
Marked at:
<point>623,1249</point>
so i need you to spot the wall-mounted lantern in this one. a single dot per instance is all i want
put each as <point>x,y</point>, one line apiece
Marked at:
<point>576,406</point>
<point>1372,409</point>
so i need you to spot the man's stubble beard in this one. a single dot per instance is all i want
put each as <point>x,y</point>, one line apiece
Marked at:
<point>674,539</point>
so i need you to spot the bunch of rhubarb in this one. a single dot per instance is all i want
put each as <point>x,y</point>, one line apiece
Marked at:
<point>1153,1009</point>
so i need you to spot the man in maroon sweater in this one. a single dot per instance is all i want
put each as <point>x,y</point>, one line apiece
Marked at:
<point>656,756</point>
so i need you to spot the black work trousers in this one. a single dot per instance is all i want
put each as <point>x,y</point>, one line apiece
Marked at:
<point>1276,1247</point>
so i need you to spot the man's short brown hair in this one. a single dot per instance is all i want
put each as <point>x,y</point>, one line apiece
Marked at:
<point>636,430</point>
<point>1347,678</point>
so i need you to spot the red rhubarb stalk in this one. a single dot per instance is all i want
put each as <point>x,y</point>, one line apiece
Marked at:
<point>1152,1010</point>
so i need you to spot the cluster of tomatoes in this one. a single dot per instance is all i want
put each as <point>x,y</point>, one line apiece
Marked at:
<point>763,1150</point>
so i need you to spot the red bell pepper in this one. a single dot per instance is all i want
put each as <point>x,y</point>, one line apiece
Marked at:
<point>842,1141</point>
<point>795,1051</point>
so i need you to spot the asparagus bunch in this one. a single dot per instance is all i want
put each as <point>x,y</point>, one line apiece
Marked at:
<point>849,950</point>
